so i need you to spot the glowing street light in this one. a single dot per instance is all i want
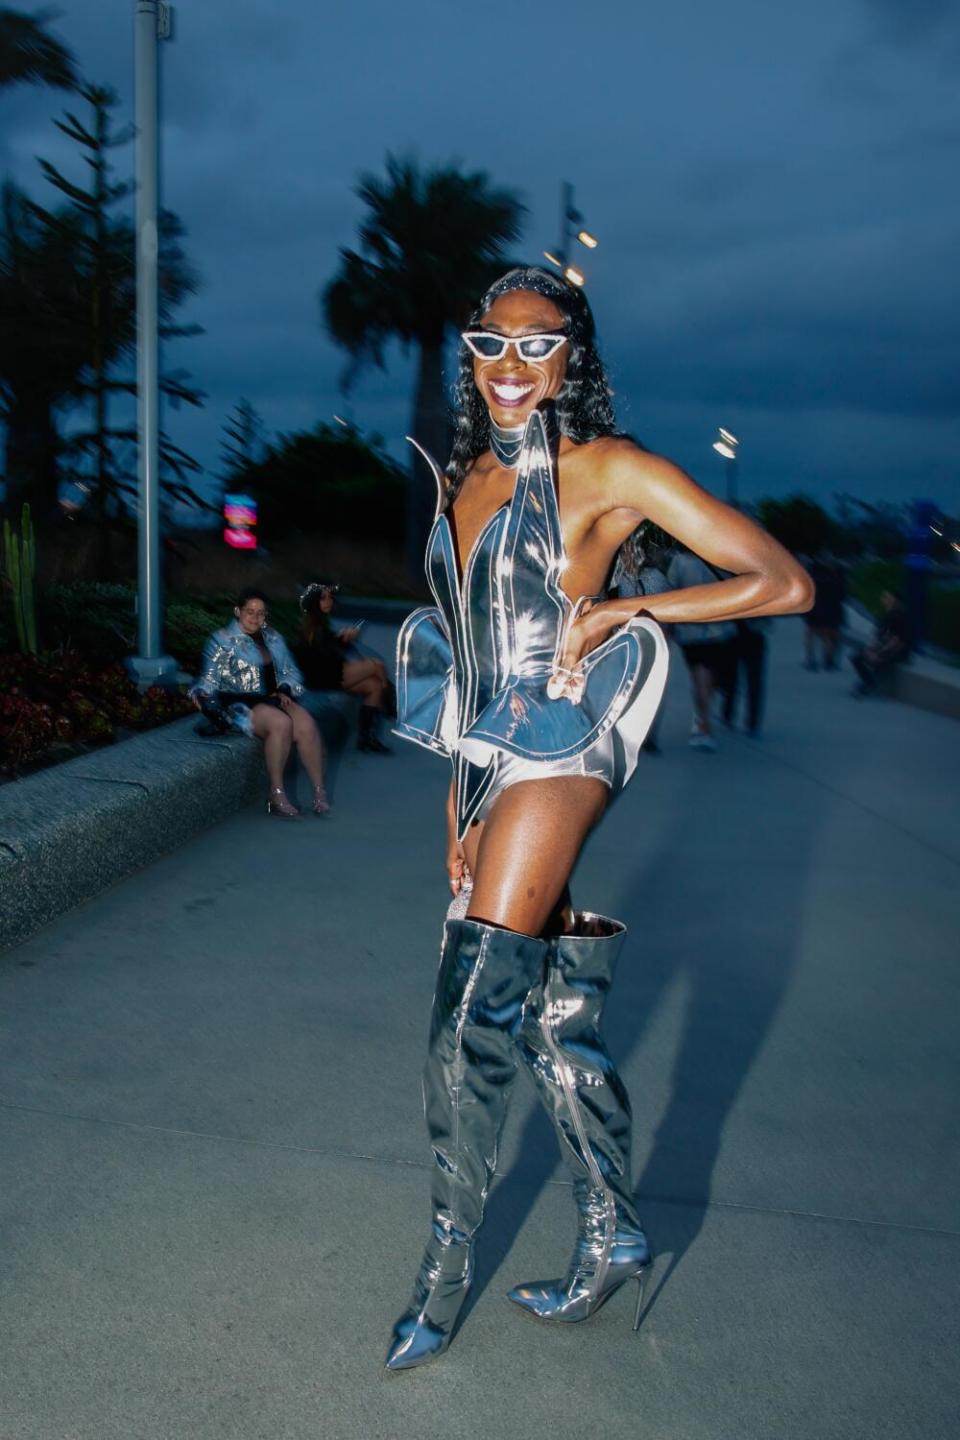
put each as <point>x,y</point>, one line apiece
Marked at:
<point>569,218</point>
<point>726,446</point>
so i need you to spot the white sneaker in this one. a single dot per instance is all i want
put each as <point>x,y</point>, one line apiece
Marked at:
<point>699,740</point>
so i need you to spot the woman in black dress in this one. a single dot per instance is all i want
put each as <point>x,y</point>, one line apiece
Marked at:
<point>321,656</point>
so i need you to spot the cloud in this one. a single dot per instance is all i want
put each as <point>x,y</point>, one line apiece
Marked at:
<point>778,225</point>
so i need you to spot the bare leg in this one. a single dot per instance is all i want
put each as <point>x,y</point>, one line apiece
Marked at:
<point>276,731</point>
<point>366,678</point>
<point>308,742</point>
<point>701,679</point>
<point>522,857</point>
<point>370,691</point>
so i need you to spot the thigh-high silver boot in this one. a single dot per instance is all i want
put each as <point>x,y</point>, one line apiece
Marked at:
<point>485,976</point>
<point>563,1050</point>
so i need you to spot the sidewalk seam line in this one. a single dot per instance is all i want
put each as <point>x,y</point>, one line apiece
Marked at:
<point>648,1198</point>
<point>795,769</point>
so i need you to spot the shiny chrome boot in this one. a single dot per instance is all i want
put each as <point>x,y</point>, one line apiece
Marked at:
<point>564,1052</point>
<point>485,976</point>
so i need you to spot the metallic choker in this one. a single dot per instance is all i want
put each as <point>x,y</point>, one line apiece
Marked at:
<point>506,444</point>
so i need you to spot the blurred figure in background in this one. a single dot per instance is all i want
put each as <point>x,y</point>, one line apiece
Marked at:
<point>889,647</point>
<point>746,655</point>
<point>824,623</point>
<point>703,644</point>
<point>321,655</point>
<point>637,572</point>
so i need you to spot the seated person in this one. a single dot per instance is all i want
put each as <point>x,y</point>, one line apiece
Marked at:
<point>321,655</point>
<point>889,647</point>
<point>249,683</point>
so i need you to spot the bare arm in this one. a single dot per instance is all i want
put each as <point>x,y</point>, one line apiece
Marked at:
<point>456,864</point>
<point>766,578</point>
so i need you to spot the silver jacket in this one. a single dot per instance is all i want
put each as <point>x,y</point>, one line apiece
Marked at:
<point>232,662</point>
<point>472,672</point>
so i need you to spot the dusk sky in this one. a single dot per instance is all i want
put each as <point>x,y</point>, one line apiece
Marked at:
<point>775,189</point>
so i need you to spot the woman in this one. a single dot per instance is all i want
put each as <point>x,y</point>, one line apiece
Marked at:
<point>541,701</point>
<point>321,658</point>
<point>249,680</point>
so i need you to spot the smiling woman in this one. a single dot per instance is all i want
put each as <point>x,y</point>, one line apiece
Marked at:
<point>541,692</point>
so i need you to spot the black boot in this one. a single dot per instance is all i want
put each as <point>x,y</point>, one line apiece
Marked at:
<point>368,732</point>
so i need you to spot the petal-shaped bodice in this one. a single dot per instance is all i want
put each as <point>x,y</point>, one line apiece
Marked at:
<point>472,674</point>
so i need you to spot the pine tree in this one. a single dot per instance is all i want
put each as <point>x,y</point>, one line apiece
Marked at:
<point>103,453</point>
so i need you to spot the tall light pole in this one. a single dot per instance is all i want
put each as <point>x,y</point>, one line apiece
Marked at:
<point>726,446</point>
<point>150,665</point>
<point>570,217</point>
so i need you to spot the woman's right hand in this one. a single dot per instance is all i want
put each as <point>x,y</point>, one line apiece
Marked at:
<point>458,873</point>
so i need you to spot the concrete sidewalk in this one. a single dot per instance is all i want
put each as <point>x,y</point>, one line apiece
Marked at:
<point>214,1189</point>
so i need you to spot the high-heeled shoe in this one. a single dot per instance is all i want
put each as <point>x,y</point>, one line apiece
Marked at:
<point>598,1267</point>
<point>562,1048</point>
<point>279,805</point>
<point>321,805</point>
<point>484,978</point>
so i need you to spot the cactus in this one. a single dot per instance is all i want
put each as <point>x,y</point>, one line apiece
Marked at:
<point>20,564</point>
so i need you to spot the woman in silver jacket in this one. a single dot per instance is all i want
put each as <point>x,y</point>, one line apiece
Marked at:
<point>540,692</point>
<point>250,682</point>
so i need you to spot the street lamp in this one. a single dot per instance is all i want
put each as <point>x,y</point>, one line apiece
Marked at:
<point>569,217</point>
<point>150,666</point>
<point>726,446</point>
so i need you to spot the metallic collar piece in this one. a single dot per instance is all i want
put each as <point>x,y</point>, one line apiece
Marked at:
<point>506,443</point>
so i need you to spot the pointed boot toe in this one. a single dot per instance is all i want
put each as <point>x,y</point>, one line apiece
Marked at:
<point>415,1341</point>
<point>538,1298</point>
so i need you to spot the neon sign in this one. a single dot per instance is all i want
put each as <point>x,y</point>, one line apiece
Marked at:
<point>240,515</point>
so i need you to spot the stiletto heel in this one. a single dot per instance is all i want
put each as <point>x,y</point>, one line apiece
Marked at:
<point>278,804</point>
<point>562,1047</point>
<point>641,1277</point>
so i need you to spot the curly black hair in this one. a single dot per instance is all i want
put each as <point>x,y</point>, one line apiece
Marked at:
<point>582,410</point>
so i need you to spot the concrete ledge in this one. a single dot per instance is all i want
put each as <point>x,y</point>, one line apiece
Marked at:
<point>930,686</point>
<point>926,683</point>
<point>72,831</point>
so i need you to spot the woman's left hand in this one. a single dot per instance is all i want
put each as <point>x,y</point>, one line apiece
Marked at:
<point>287,702</point>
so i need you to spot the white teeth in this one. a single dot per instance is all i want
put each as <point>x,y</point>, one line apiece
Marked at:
<point>510,392</point>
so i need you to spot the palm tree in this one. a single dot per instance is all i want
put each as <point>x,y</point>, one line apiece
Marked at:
<point>430,244</point>
<point>29,54</point>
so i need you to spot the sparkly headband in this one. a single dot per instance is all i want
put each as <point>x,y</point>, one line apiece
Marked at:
<point>531,277</point>
<point>317,588</point>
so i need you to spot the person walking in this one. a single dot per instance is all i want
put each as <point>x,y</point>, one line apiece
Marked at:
<point>703,645</point>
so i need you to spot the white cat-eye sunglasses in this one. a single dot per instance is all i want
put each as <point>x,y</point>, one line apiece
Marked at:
<point>488,346</point>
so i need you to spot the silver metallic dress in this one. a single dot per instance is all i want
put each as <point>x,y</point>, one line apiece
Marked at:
<point>473,671</point>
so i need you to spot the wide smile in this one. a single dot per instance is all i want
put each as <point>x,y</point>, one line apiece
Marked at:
<point>511,393</point>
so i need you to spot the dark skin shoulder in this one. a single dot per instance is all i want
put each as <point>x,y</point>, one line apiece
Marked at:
<point>606,488</point>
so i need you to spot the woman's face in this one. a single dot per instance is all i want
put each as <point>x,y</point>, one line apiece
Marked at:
<point>252,615</point>
<point>512,387</point>
<point>327,601</point>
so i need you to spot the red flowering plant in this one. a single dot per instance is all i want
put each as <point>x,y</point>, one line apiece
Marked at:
<point>54,705</point>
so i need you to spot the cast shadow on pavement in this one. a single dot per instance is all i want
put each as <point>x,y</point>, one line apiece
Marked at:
<point>734,985</point>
